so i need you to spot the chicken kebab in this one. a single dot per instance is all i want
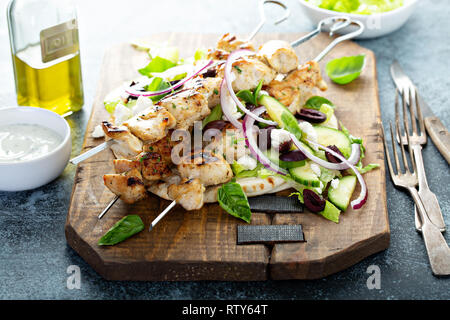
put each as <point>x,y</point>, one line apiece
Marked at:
<point>144,146</point>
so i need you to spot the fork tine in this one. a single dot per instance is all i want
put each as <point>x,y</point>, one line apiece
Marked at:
<point>402,148</point>
<point>394,151</point>
<point>397,135</point>
<point>405,114</point>
<point>386,151</point>
<point>411,109</point>
<point>419,113</point>
<point>411,155</point>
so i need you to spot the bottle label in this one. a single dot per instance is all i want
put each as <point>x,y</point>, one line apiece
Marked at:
<point>59,41</point>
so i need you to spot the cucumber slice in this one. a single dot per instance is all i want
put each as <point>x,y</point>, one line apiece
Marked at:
<point>284,164</point>
<point>304,175</point>
<point>304,145</point>
<point>328,136</point>
<point>280,114</point>
<point>340,196</point>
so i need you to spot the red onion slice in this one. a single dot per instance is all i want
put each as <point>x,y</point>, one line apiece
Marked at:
<point>136,93</point>
<point>359,202</point>
<point>227,104</point>
<point>228,79</point>
<point>252,145</point>
<point>353,159</point>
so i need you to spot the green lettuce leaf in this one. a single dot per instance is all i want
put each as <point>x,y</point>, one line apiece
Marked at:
<point>157,64</point>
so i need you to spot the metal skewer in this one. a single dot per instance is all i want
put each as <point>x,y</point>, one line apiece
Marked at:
<point>108,207</point>
<point>91,152</point>
<point>262,16</point>
<point>162,214</point>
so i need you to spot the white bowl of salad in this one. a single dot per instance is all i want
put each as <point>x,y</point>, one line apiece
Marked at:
<point>380,17</point>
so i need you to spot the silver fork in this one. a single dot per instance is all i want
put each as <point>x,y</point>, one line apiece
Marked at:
<point>416,140</point>
<point>437,249</point>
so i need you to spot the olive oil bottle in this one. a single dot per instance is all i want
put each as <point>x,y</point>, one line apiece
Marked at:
<point>46,57</point>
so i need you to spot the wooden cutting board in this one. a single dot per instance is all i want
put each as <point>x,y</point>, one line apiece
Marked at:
<point>201,245</point>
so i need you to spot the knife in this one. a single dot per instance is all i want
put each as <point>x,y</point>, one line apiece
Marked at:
<point>435,128</point>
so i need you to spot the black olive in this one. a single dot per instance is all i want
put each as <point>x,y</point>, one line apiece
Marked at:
<point>313,201</point>
<point>210,73</point>
<point>285,146</point>
<point>295,155</point>
<point>332,158</point>
<point>311,115</point>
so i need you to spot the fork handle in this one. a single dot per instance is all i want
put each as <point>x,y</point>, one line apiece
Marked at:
<point>437,249</point>
<point>440,136</point>
<point>429,199</point>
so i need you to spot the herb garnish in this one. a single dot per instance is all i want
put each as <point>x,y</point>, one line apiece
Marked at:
<point>233,200</point>
<point>122,230</point>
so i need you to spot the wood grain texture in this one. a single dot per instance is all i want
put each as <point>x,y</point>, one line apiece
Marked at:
<point>201,245</point>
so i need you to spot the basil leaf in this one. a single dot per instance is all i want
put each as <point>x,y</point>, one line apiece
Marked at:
<point>246,95</point>
<point>122,230</point>
<point>233,200</point>
<point>346,69</point>
<point>157,64</point>
<point>216,114</point>
<point>316,102</point>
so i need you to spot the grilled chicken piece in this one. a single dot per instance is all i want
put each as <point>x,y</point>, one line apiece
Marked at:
<point>127,145</point>
<point>294,90</point>
<point>279,55</point>
<point>189,193</point>
<point>162,147</point>
<point>129,185</point>
<point>187,106</point>
<point>209,168</point>
<point>153,166</point>
<point>151,124</point>
<point>249,71</point>
<point>230,143</point>
<point>125,165</point>
<point>209,87</point>
<point>217,54</point>
<point>150,164</point>
<point>229,43</point>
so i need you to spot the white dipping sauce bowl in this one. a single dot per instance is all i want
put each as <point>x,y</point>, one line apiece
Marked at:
<point>376,25</point>
<point>30,174</point>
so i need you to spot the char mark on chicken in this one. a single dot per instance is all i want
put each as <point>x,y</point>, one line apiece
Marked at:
<point>127,145</point>
<point>128,185</point>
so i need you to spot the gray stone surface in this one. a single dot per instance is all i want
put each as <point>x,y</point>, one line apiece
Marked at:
<point>33,252</point>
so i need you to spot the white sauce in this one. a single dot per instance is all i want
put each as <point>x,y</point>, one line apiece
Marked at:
<point>22,142</point>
